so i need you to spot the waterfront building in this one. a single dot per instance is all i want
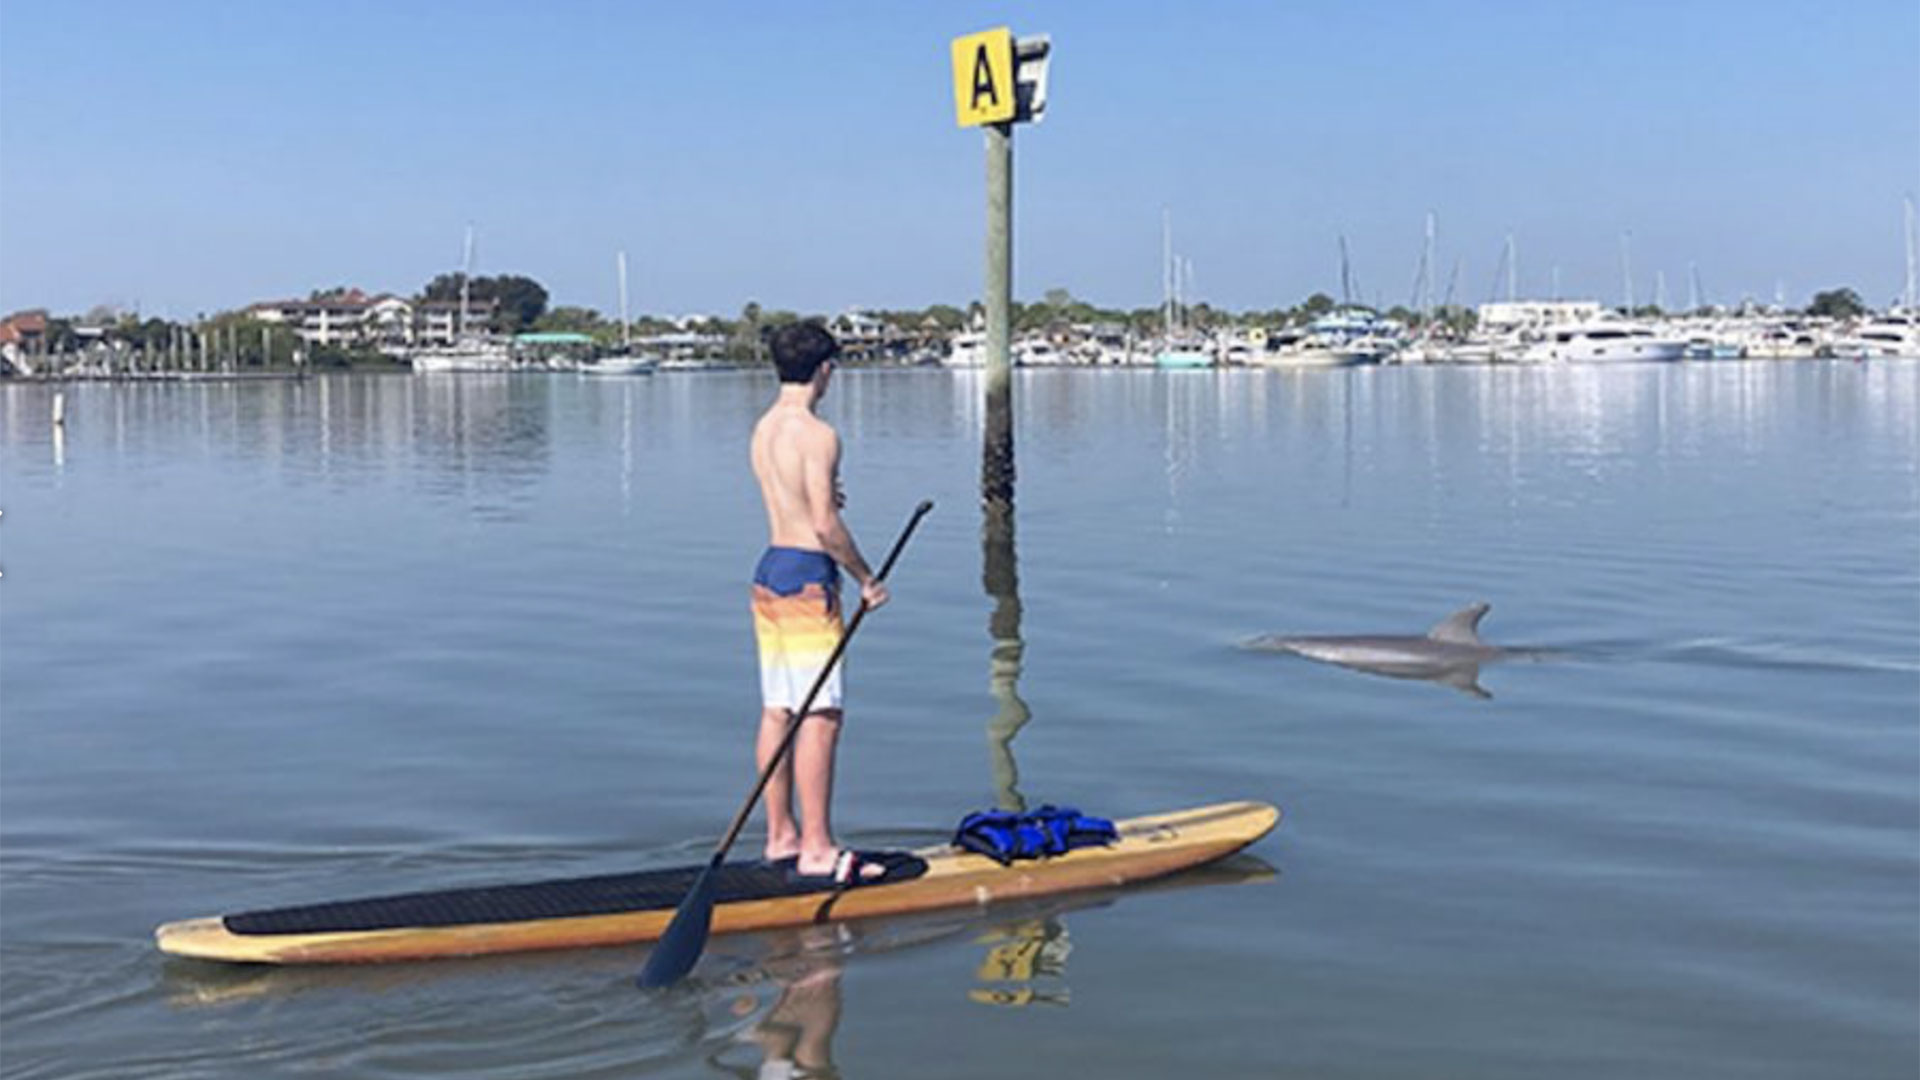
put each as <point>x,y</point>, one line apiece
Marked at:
<point>1514,316</point>
<point>436,323</point>
<point>354,319</point>
<point>864,336</point>
<point>333,319</point>
<point>25,330</point>
<point>23,338</point>
<point>388,324</point>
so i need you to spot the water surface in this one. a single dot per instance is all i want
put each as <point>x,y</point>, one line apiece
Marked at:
<point>270,643</point>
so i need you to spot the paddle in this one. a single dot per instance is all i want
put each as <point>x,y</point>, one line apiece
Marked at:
<point>677,950</point>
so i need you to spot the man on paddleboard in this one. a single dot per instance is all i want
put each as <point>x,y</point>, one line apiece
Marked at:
<point>797,618</point>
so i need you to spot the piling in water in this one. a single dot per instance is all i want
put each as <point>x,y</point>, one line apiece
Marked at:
<point>996,463</point>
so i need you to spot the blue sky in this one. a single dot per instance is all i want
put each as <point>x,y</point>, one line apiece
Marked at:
<point>191,157</point>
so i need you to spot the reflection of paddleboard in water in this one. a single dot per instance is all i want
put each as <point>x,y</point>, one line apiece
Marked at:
<point>1450,653</point>
<point>619,909</point>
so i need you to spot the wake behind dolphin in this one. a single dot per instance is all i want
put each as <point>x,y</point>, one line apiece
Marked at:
<point>1451,653</point>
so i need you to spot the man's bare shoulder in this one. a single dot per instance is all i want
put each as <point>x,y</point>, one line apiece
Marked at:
<point>794,432</point>
<point>809,429</point>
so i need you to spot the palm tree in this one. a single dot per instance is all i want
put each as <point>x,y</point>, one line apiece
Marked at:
<point>750,328</point>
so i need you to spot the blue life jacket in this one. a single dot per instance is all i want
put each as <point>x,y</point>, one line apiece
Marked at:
<point>1004,836</point>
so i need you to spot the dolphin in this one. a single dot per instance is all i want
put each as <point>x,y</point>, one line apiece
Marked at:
<point>1451,653</point>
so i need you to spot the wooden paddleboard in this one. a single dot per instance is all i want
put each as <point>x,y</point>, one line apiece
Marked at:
<point>621,909</point>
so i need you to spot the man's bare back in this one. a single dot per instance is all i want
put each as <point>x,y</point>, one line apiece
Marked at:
<point>796,458</point>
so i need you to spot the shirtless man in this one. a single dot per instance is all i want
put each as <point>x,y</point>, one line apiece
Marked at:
<point>797,619</point>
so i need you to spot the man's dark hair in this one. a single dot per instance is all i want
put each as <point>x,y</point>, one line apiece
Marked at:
<point>800,348</point>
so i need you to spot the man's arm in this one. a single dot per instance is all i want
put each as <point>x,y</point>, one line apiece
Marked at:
<point>818,473</point>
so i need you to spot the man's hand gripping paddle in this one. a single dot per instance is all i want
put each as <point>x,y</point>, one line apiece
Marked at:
<point>679,948</point>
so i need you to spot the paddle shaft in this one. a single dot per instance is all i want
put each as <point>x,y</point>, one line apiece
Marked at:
<point>799,715</point>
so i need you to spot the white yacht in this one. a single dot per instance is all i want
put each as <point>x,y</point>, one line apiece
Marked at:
<point>469,354</point>
<point>1784,340</point>
<point>1897,333</point>
<point>967,348</point>
<point>1603,342</point>
<point>622,363</point>
<point>1037,352</point>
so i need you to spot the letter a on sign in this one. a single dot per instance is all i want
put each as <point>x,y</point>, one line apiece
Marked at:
<point>983,78</point>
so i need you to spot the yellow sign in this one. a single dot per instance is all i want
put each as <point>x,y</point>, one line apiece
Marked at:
<point>983,90</point>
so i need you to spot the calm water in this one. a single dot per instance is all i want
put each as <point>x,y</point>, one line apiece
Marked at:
<point>273,643</point>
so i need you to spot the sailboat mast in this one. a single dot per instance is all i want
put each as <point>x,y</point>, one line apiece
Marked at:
<point>1626,270</point>
<point>1426,273</point>
<point>466,275</point>
<point>1187,291</point>
<point>1166,271</point>
<point>626,335</point>
<point>1513,272</point>
<point>1346,275</point>
<point>1913,261</point>
<point>1179,300</point>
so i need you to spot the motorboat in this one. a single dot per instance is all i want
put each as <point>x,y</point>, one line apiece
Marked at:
<point>621,364</point>
<point>1603,342</point>
<point>473,354</point>
<point>1338,339</point>
<point>1896,333</point>
<point>966,349</point>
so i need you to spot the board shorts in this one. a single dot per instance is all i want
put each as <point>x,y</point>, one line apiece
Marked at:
<point>796,623</point>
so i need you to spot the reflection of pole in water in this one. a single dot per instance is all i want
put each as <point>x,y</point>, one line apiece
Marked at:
<point>1001,576</point>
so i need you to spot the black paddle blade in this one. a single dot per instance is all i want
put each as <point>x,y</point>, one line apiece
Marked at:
<point>679,948</point>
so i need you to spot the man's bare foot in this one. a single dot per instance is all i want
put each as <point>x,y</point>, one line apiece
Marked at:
<point>780,852</point>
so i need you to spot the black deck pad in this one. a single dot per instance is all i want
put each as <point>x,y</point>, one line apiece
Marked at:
<point>608,894</point>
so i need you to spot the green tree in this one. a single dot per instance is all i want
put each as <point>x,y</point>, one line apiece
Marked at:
<point>237,338</point>
<point>1842,303</point>
<point>568,319</point>
<point>745,343</point>
<point>1457,320</point>
<point>1316,305</point>
<point>519,301</point>
<point>945,316</point>
<point>522,300</point>
<point>60,336</point>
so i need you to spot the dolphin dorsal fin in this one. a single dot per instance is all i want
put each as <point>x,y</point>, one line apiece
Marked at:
<point>1462,627</point>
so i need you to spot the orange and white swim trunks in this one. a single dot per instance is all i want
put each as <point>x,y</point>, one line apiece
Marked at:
<point>797,624</point>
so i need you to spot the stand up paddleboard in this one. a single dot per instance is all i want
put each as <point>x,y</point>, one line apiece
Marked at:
<point>622,909</point>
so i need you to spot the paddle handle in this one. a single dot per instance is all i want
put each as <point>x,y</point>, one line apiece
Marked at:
<point>800,714</point>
